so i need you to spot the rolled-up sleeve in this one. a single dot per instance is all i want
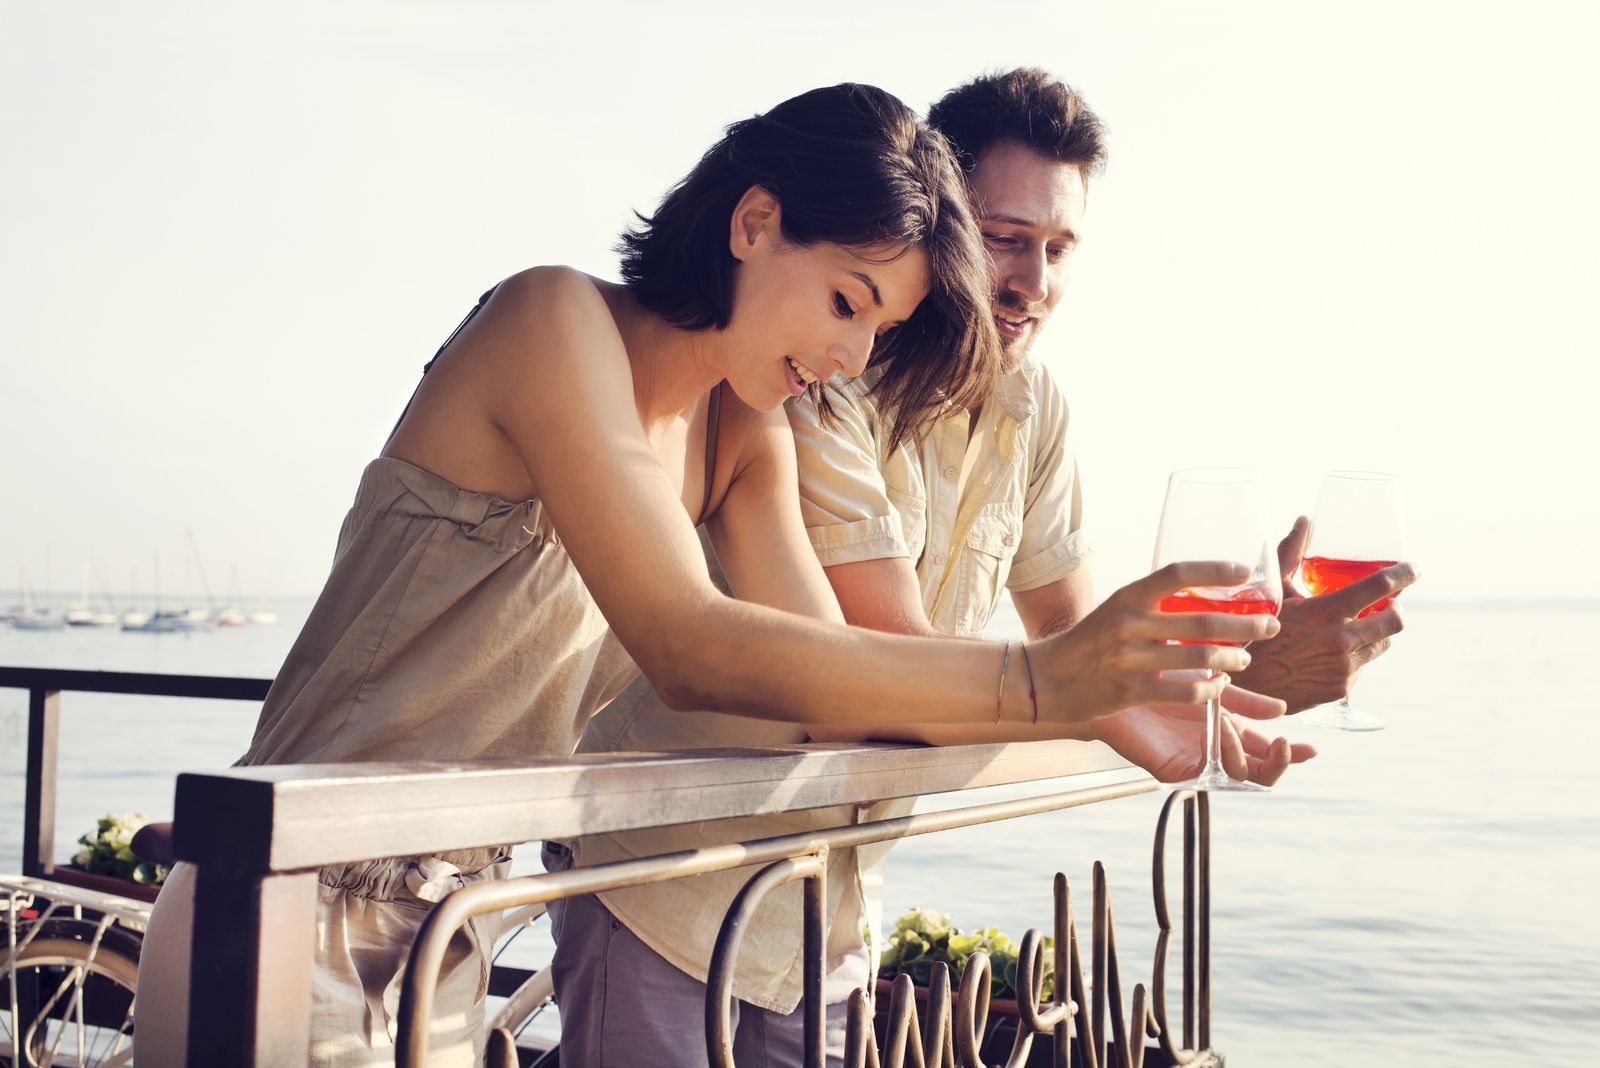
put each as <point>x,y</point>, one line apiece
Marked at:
<point>843,498</point>
<point>1053,544</point>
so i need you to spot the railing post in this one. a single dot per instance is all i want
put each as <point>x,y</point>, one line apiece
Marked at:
<point>250,968</point>
<point>39,804</point>
<point>815,920</point>
<point>1190,987</point>
<point>1203,878</point>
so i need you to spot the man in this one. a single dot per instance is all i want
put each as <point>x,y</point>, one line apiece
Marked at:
<point>921,540</point>
<point>924,540</point>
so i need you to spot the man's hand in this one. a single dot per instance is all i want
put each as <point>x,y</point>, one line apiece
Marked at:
<point>1169,741</point>
<point>1323,647</point>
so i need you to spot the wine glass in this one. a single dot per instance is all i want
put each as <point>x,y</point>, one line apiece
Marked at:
<point>1216,513</point>
<point>1355,531</point>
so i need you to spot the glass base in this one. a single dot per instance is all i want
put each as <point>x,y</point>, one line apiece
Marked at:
<point>1341,717</point>
<point>1216,781</point>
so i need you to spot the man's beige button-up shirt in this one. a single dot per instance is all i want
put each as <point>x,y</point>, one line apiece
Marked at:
<point>978,508</point>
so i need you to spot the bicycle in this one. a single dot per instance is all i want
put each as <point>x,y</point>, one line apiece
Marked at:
<point>69,962</point>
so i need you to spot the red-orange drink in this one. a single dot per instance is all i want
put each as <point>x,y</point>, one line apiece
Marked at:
<point>1232,600</point>
<point>1324,574</point>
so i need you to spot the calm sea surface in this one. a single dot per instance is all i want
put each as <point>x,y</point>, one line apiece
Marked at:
<point>1413,897</point>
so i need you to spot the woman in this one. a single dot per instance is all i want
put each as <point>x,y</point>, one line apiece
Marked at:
<point>527,535</point>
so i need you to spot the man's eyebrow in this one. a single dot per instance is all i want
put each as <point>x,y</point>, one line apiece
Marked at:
<point>877,298</point>
<point>1017,220</point>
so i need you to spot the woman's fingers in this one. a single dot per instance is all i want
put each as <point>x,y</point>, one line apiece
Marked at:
<point>1252,705</point>
<point>1232,752</point>
<point>1152,656</point>
<point>1266,761</point>
<point>1203,627</point>
<point>1190,688</point>
<point>1183,574</point>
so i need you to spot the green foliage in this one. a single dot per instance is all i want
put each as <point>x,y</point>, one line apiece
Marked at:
<point>107,850</point>
<point>923,938</point>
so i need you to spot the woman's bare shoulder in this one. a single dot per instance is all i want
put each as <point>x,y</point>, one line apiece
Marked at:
<point>564,296</point>
<point>552,318</point>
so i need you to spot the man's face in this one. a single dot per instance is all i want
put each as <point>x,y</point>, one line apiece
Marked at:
<point>1030,208</point>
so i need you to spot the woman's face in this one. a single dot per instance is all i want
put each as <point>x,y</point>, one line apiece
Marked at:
<point>802,314</point>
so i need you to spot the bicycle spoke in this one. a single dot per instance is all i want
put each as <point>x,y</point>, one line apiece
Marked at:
<point>43,1017</point>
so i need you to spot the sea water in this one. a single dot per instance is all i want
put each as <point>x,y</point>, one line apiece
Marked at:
<point>1419,896</point>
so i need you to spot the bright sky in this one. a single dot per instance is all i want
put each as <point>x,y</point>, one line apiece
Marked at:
<point>1358,235</point>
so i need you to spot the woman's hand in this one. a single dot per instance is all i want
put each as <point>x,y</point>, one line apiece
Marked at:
<point>1169,741</point>
<point>1115,657</point>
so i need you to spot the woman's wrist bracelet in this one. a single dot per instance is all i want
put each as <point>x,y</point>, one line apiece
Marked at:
<point>1000,694</point>
<point>1033,694</point>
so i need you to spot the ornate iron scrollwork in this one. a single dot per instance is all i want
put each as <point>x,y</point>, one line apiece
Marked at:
<point>1084,1016</point>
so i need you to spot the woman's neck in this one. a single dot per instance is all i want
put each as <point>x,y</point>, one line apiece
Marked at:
<point>672,367</point>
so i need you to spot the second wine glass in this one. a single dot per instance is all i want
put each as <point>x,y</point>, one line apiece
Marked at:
<point>1217,513</point>
<point>1355,531</point>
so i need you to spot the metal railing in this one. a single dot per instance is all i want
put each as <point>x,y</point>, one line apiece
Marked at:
<point>257,837</point>
<point>45,686</point>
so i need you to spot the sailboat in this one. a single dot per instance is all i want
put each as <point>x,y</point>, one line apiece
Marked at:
<point>157,622</point>
<point>30,618</point>
<point>231,616</point>
<point>81,615</point>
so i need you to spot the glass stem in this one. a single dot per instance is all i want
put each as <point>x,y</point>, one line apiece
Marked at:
<point>1214,737</point>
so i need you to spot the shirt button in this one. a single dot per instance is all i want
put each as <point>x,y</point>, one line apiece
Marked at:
<point>949,472</point>
<point>938,559</point>
<point>1006,540</point>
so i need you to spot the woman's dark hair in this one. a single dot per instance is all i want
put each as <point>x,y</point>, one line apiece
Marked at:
<point>851,165</point>
<point>1025,105</point>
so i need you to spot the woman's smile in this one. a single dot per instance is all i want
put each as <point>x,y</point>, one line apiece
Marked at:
<point>798,375</point>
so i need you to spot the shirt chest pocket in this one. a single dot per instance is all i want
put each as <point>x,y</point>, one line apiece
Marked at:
<point>985,563</point>
<point>912,511</point>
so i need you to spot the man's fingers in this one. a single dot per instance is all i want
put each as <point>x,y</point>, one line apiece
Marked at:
<point>1378,626</point>
<point>1291,549</point>
<point>1372,589</point>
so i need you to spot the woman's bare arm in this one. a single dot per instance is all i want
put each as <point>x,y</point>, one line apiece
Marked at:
<point>553,376</point>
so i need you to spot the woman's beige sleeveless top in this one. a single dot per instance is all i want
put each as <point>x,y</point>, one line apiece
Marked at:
<point>452,627</point>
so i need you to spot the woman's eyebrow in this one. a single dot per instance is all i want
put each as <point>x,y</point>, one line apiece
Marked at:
<point>877,298</point>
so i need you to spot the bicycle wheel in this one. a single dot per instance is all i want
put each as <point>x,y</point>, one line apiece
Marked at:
<point>529,1000</point>
<point>73,998</point>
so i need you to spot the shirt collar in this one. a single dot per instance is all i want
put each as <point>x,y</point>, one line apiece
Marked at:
<point>1014,393</point>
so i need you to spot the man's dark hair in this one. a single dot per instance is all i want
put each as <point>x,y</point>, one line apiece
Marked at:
<point>851,165</point>
<point>1025,105</point>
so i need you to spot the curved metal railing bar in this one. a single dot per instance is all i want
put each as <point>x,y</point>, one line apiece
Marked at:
<point>462,905</point>
<point>972,1009</point>
<point>1196,997</point>
<point>813,869</point>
